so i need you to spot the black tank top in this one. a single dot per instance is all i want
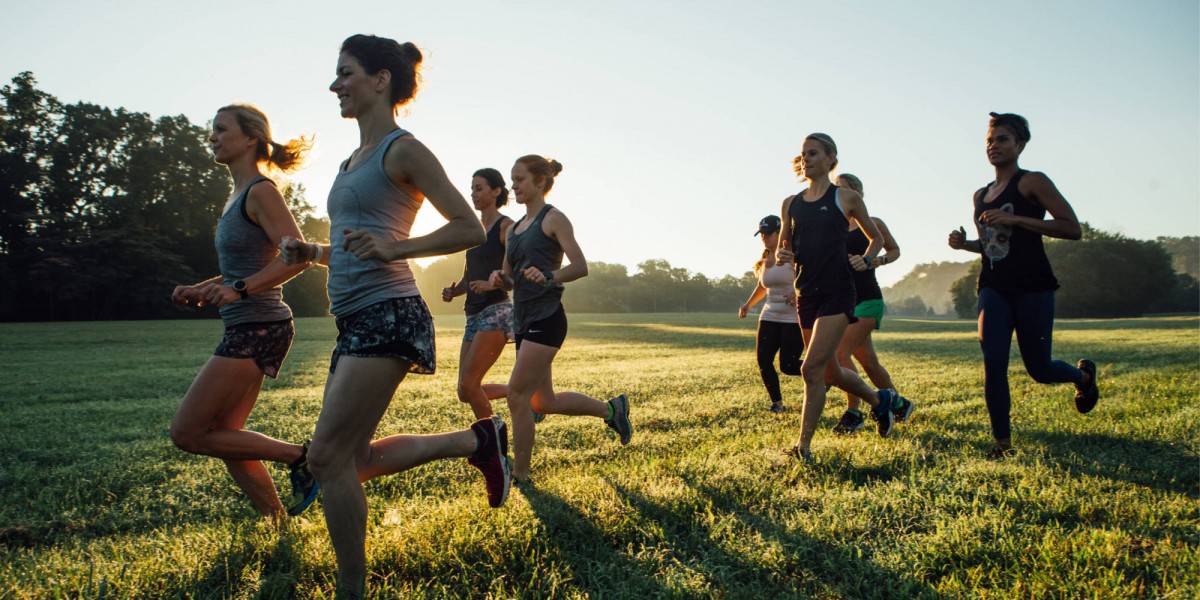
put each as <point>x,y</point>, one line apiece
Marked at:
<point>1014,259</point>
<point>819,243</point>
<point>865,284</point>
<point>533,248</point>
<point>481,261</point>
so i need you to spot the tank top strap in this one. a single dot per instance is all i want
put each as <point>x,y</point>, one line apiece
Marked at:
<point>386,143</point>
<point>240,201</point>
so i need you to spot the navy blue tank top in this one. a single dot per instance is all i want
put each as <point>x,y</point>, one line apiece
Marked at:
<point>865,284</point>
<point>819,244</point>
<point>1014,259</point>
<point>481,261</point>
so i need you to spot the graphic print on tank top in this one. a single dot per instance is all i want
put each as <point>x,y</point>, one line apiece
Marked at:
<point>996,239</point>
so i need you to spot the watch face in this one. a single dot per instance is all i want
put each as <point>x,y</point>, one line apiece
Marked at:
<point>239,285</point>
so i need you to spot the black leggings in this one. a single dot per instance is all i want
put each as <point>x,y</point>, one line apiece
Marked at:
<point>784,339</point>
<point>1031,314</point>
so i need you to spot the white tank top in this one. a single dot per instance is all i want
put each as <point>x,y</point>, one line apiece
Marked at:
<point>779,283</point>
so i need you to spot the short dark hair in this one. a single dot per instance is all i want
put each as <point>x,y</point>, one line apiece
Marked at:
<point>1013,122</point>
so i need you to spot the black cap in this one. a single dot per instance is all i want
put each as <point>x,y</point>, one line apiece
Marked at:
<point>768,224</point>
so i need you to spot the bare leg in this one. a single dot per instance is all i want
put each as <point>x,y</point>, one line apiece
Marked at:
<point>529,373</point>
<point>356,396</point>
<point>220,387</point>
<point>252,475</point>
<point>548,402</point>
<point>879,376</point>
<point>475,359</point>
<point>856,334</point>
<point>820,344</point>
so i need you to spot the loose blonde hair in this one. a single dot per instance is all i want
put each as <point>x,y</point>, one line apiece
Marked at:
<point>286,157</point>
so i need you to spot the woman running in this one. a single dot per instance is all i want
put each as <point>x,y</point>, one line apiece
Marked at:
<point>814,237</point>
<point>869,310</point>
<point>385,330</point>
<point>489,312</point>
<point>1016,283</point>
<point>533,266</point>
<point>778,329</point>
<point>258,325</point>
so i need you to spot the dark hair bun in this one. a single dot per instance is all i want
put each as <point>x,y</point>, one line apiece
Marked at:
<point>411,52</point>
<point>555,167</point>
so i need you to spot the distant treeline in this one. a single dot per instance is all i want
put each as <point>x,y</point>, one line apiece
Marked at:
<point>103,211</point>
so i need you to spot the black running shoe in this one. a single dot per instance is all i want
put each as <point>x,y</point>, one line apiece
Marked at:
<point>777,407</point>
<point>538,417</point>
<point>882,412</point>
<point>999,452</point>
<point>620,420</point>
<point>906,408</point>
<point>1086,396</point>
<point>491,458</point>
<point>304,486</point>
<point>852,421</point>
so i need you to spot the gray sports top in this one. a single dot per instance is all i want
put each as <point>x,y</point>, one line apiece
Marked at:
<point>533,248</point>
<point>363,197</point>
<point>243,249</point>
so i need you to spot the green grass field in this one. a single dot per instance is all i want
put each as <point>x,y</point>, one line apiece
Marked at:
<point>95,501</point>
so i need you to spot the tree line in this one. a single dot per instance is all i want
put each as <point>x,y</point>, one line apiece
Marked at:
<point>103,211</point>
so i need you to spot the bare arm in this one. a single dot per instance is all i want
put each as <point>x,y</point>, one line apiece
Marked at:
<point>891,250</point>
<point>755,297</point>
<point>1064,225</point>
<point>958,238</point>
<point>783,253</point>
<point>856,209</point>
<point>557,226</point>
<point>503,278</point>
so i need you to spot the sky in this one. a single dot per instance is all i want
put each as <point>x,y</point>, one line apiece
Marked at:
<point>676,122</point>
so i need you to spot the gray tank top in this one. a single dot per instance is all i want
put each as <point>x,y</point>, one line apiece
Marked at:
<point>533,248</point>
<point>243,249</point>
<point>363,197</point>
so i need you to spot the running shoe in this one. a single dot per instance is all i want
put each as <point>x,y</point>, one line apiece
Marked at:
<point>999,452</point>
<point>620,418</point>
<point>882,412</point>
<point>304,486</point>
<point>538,417</point>
<point>904,409</point>
<point>852,421</point>
<point>1086,396</point>
<point>491,458</point>
<point>777,407</point>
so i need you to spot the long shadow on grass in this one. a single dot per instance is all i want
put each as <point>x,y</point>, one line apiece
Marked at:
<point>1154,464</point>
<point>811,566</point>
<point>596,564</point>
<point>277,578</point>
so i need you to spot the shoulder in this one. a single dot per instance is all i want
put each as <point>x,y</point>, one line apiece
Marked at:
<point>879,222</point>
<point>263,193</point>
<point>406,151</point>
<point>849,196</point>
<point>1033,180</point>
<point>979,193</point>
<point>788,202</point>
<point>556,218</point>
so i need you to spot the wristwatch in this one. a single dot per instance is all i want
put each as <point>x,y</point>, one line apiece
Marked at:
<point>549,278</point>
<point>239,286</point>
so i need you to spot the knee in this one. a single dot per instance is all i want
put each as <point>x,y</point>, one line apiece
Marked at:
<point>187,439</point>
<point>325,458</point>
<point>462,392</point>
<point>813,372</point>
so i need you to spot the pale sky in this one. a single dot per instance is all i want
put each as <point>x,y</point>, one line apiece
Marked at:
<point>676,122</point>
